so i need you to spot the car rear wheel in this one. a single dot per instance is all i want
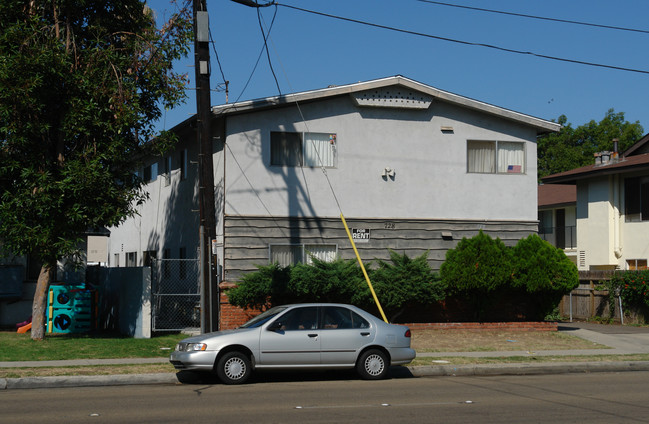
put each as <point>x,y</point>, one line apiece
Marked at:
<point>234,368</point>
<point>372,365</point>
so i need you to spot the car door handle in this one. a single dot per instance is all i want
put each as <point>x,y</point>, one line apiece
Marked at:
<point>313,335</point>
<point>365,334</point>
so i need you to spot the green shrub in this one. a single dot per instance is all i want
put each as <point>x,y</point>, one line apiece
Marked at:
<point>633,287</point>
<point>476,270</point>
<point>339,281</point>
<point>399,284</point>
<point>479,264</point>
<point>543,271</point>
<point>262,288</point>
<point>404,282</point>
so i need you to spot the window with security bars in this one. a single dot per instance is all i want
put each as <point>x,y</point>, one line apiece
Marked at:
<point>291,254</point>
<point>309,149</point>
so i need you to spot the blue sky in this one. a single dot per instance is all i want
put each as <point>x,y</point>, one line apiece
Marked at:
<point>310,52</point>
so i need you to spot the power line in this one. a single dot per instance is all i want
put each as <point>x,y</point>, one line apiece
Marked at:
<point>468,43</point>
<point>265,46</point>
<point>270,63</point>
<point>565,21</point>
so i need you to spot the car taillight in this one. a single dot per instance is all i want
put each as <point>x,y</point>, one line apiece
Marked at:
<point>408,334</point>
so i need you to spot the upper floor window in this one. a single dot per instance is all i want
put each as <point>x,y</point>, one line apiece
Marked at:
<point>636,199</point>
<point>491,157</point>
<point>151,172</point>
<point>167,170</point>
<point>303,149</point>
<point>183,162</point>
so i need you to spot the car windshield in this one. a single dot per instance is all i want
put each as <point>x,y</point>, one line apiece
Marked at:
<point>263,317</point>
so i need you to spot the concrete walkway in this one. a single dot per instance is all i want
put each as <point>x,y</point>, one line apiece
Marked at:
<point>620,341</point>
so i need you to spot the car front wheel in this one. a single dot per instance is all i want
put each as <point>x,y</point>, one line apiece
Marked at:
<point>372,365</point>
<point>234,368</point>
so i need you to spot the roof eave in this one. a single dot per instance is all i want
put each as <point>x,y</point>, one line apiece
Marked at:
<point>542,126</point>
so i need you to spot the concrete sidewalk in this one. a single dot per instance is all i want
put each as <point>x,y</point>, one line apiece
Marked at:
<point>620,340</point>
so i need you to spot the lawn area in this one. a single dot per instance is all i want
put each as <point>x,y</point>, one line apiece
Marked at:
<point>20,347</point>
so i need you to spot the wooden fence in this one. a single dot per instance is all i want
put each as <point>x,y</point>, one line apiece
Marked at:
<point>587,301</point>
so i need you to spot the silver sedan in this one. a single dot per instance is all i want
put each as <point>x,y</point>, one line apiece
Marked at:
<point>326,336</point>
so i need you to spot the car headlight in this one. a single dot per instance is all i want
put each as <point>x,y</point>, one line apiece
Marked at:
<point>191,347</point>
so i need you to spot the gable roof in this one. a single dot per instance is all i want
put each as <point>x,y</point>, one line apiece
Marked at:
<point>640,146</point>
<point>541,125</point>
<point>624,165</point>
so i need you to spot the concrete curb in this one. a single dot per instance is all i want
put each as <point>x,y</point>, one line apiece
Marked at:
<point>398,372</point>
<point>527,368</point>
<point>87,381</point>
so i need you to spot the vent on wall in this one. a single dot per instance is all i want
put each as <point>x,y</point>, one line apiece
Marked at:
<point>393,97</point>
<point>582,259</point>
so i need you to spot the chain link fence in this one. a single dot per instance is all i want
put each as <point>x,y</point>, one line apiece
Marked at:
<point>176,294</point>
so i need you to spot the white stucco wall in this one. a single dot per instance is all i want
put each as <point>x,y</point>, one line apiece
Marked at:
<point>594,224</point>
<point>431,179</point>
<point>168,219</point>
<point>604,236</point>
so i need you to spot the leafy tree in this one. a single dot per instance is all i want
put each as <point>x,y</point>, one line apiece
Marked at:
<point>573,148</point>
<point>81,84</point>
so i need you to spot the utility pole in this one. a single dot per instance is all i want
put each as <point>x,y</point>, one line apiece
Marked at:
<point>210,288</point>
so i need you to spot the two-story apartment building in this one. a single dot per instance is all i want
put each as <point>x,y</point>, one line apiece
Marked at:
<point>612,209</point>
<point>411,167</point>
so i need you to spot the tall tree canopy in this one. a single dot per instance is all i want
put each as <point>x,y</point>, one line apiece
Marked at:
<point>81,84</point>
<point>572,148</point>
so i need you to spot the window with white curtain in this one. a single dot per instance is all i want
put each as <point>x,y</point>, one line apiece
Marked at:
<point>323,252</point>
<point>489,157</point>
<point>303,149</point>
<point>319,149</point>
<point>291,254</point>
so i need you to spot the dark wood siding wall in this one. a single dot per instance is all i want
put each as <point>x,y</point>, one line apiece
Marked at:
<point>247,239</point>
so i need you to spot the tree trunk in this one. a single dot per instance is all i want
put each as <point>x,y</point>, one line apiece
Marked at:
<point>40,301</point>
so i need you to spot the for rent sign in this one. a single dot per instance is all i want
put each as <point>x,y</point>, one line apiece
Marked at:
<point>361,235</point>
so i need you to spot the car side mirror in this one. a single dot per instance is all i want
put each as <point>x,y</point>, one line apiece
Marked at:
<point>275,326</point>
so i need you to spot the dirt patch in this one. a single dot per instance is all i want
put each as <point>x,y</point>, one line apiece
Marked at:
<point>493,340</point>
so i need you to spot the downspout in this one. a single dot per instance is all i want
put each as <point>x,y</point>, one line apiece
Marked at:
<point>617,248</point>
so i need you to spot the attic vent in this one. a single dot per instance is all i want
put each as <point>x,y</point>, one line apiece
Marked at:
<point>393,97</point>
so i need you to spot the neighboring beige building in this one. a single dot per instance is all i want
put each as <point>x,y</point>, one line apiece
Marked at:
<point>612,209</point>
